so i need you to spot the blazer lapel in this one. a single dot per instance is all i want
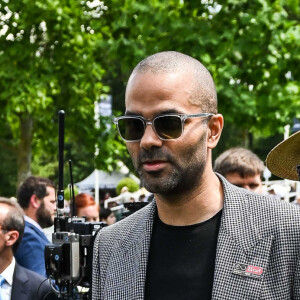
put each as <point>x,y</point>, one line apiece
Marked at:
<point>132,257</point>
<point>19,288</point>
<point>242,253</point>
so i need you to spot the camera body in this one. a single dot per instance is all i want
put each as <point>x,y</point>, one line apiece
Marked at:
<point>69,258</point>
<point>62,257</point>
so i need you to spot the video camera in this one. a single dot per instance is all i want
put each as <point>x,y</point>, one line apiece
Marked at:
<point>68,259</point>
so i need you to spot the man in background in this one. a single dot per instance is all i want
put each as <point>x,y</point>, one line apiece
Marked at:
<point>242,168</point>
<point>36,196</point>
<point>17,282</point>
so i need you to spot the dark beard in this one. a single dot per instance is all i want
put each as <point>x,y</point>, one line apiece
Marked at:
<point>44,218</point>
<point>186,172</point>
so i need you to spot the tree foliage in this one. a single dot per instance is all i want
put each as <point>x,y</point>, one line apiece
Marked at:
<point>47,55</point>
<point>129,183</point>
<point>66,54</point>
<point>250,47</point>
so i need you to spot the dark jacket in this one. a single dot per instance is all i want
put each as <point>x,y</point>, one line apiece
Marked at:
<point>30,253</point>
<point>28,285</point>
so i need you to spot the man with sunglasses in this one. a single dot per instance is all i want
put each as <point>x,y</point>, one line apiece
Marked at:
<point>201,238</point>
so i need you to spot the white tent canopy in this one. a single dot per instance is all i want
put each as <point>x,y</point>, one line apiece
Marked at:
<point>106,180</point>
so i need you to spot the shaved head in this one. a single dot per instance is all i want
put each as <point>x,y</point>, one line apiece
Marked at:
<point>204,92</point>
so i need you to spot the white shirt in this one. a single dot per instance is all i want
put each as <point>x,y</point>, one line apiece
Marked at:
<point>48,233</point>
<point>8,274</point>
<point>34,223</point>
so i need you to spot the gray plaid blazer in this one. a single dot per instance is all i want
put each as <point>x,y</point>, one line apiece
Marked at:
<point>255,230</point>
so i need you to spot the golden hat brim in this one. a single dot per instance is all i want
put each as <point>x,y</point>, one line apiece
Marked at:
<point>283,159</point>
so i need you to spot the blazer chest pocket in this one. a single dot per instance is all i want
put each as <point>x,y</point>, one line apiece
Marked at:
<point>241,275</point>
<point>250,273</point>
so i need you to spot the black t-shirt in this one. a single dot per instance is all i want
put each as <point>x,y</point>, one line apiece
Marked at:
<point>182,260</point>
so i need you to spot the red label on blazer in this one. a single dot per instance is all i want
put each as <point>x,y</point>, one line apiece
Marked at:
<point>247,270</point>
<point>254,270</point>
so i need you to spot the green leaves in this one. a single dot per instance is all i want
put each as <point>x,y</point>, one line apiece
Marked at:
<point>66,54</point>
<point>51,66</point>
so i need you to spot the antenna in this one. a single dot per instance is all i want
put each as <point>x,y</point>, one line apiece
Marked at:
<point>61,129</point>
<point>72,204</point>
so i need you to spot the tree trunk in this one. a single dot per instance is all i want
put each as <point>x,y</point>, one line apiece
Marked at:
<point>250,139</point>
<point>24,151</point>
<point>245,138</point>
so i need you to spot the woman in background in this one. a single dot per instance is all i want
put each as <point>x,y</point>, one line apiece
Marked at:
<point>86,207</point>
<point>107,216</point>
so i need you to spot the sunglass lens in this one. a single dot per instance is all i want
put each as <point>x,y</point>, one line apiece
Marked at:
<point>131,129</point>
<point>168,127</point>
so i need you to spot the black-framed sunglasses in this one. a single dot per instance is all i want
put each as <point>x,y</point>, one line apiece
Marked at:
<point>167,127</point>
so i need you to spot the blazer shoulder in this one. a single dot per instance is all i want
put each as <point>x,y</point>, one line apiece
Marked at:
<point>265,212</point>
<point>274,212</point>
<point>30,285</point>
<point>257,203</point>
<point>30,253</point>
<point>33,232</point>
<point>284,211</point>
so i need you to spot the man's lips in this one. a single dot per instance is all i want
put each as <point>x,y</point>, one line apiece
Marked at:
<point>154,165</point>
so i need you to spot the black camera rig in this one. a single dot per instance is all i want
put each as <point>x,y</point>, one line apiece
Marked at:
<point>68,259</point>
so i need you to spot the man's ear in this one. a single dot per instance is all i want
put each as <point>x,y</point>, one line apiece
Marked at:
<point>35,202</point>
<point>215,126</point>
<point>11,237</point>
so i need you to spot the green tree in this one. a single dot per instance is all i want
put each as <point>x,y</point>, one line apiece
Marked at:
<point>129,183</point>
<point>65,54</point>
<point>47,51</point>
<point>250,47</point>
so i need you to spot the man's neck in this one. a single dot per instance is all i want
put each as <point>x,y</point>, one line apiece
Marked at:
<point>194,206</point>
<point>34,223</point>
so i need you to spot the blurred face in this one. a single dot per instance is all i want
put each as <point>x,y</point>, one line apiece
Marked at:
<point>90,212</point>
<point>47,209</point>
<point>111,219</point>
<point>7,238</point>
<point>167,166</point>
<point>251,183</point>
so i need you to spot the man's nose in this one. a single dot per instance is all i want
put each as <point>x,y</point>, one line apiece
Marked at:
<point>150,138</point>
